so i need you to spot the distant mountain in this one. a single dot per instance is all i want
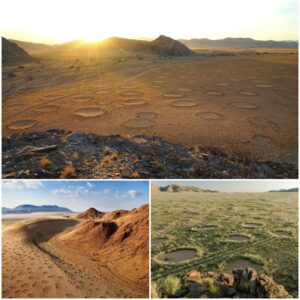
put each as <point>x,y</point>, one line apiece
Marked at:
<point>163,46</point>
<point>28,208</point>
<point>293,190</point>
<point>237,43</point>
<point>174,188</point>
<point>12,53</point>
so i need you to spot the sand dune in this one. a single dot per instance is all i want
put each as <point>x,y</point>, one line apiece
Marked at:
<point>47,258</point>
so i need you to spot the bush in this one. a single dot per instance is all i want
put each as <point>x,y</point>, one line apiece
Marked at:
<point>170,286</point>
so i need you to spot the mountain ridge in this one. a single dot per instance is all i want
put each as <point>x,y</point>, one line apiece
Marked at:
<point>29,208</point>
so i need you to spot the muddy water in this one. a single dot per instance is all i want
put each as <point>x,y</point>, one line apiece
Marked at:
<point>178,256</point>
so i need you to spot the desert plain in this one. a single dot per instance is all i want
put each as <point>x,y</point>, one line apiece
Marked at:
<point>92,255</point>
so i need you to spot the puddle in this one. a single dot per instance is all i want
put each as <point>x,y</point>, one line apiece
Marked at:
<point>46,108</point>
<point>242,263</point>
<point>282,233</point>
<point>89,112</point>
<point>209,115</point>
<point>134,102</point>
<point>23,124</point>
<point>247,93</point>
<point>238,238</point>
<point>172,95</point>
<point>183,103</point>
<point>184,89</point>
<point>178,256</point>
<point>262,141</point>
<point>244,105</point>
<point>130,93</point>
<point>52,97</point>
<point>147,115</point>
<point>158,241</point>
<point>138,123</point>
<point>81,98</point>
<point>252,225</point>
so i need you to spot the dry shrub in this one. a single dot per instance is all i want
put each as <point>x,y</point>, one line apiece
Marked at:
<point>242,152</point>
<point>135,175</point>
<point>115,156</point>
<point>45,162</point>
<point>69,171</point>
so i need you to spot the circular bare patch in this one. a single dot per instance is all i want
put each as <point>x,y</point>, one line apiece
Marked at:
<point>263,122</point>
<point>52,97</point>
<point>183,103</point>
<point>282,233</point>
<point>103,92</point>
<point>238,238</point>
<point>235,79</point>
<point>147,115</point>
<point>46,108</point>
<point>134,102</point>
<point>23,124</point>
<point>131,93</point>
<point>244,105</point>
<point>172,95</point>
<point>252,225</point>
<point>264,86</point>
<point>247,93</point>
<point>260,140</point>
<point>215,93</point>
<point>156,86</point>
<point>89,112</point>
<point>158,81</point>
<point>184,89</point>
<point>138,123</point>
<point>128,87</point>
<point>242,263</point>
<point>81,98</point>
<point>222,84</point>
<point>209,115</point>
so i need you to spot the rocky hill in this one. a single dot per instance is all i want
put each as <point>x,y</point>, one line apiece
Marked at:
<point>238,284</point>
<point>28,208</point>
<point>237,43</point>
<point>12,53</point>
<point>293,190</point>
<point>162,46</point>
<point>122,238</point>
<point>90,214</point>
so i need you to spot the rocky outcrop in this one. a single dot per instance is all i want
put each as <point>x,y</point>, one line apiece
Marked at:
<point>240,284</point>
<point>166,46</point>
<point>90,214</point>
<point>87,155</point>
<point>12,53</point>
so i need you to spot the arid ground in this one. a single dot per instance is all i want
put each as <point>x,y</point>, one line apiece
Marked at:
<point>242,102</point>
<point>220,232</point>
<point>69,257</point>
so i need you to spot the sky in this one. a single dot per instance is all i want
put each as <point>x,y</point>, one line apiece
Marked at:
<point>57,21</point>
<point>76,195</point>
<point>241,186</point>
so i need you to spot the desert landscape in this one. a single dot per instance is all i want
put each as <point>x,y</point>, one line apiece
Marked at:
<point>223,245</point>
<point>114,108</point>
<point>62,254</point>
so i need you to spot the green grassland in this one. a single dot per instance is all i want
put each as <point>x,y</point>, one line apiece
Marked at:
<point>181,219</point>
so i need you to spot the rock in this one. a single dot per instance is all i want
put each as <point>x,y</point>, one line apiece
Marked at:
<point>231,292</point>
<point>193,276</point>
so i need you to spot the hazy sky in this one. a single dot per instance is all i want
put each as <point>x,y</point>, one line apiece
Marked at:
<point>53,21</point>
<point>76,195</point>
<point>236,186</point>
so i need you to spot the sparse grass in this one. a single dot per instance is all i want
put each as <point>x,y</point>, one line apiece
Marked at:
<point>169,286</point>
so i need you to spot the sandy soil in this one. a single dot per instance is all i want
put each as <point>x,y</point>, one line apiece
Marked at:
<point>223,101</point>
<point>34,265</point>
